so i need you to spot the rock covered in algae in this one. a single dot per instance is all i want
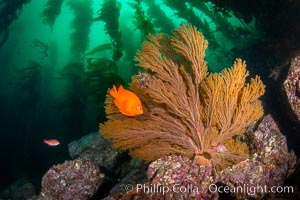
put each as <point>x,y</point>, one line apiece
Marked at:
<point>175,177</point>
<point>292,86</point>
<point>267,167</point>
<point>77,179</point>
<point>271,144</point>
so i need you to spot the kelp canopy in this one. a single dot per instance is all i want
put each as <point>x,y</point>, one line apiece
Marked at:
<point>187,111</point>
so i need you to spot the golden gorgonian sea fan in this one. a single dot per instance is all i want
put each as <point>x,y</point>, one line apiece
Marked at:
<point>186,110</point>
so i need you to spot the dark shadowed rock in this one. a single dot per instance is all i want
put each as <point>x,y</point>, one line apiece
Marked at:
<point>133,174</point>
<point>77,179</point>
<point>97,149</point>
<point>292,86</point>
<point>20,190</point>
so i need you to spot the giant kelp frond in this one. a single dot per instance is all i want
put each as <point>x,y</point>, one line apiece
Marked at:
<point>187,112</point>
<point>9,11</point>
<point>142,22</point>
<point>51,10</point>
<point>80,25</point>
<point>109,14</point>
<point>72,70</point>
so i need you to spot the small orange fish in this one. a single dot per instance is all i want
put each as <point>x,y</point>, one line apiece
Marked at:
<point>52,142</point>
<point>127,102</point>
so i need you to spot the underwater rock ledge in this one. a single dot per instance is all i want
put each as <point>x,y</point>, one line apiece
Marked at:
<point>292,86</point>
<point>97,149</point>
<point>77,179</point>
<point>268,165</point>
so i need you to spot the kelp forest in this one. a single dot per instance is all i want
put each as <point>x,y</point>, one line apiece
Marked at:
<point>60,58</point>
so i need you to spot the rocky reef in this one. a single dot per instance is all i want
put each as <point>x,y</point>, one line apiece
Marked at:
<point>176,177</point>
<point>95,148</point>
<point>172,177</point>
<point>22,189</point>
<point>270,163</point>
<point>292,86</point>
<point>268,166</point>
<point>77,179</point>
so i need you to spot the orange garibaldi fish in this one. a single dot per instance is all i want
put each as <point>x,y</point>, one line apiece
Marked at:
<point>127,102</point>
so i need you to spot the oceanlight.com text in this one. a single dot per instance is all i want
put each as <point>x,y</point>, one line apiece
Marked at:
<point>250,190</point>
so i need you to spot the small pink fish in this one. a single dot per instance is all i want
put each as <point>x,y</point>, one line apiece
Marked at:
<point>52,142</point>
